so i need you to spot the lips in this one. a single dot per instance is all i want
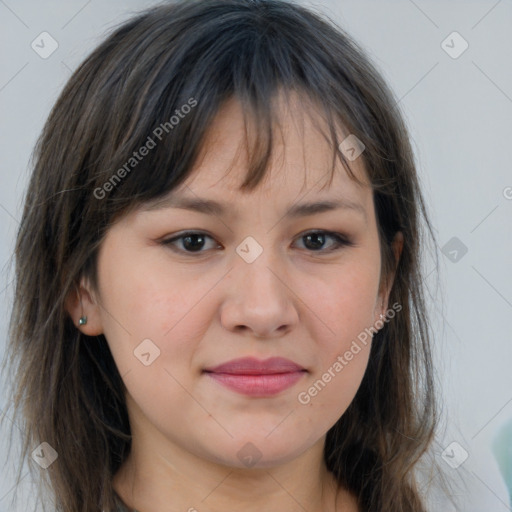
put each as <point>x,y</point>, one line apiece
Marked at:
<point>253,366</point>
<point>253,377</point>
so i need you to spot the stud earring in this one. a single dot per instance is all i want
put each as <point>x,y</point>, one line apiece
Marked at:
<point>83,318</point>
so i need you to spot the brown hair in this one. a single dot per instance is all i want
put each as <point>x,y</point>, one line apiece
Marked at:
<point>67,389</point>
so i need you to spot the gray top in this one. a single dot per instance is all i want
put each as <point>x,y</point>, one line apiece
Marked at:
<point>120,505</point>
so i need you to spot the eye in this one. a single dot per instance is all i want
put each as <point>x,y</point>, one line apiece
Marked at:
<point>315,240</point>
<point>194,242</point>
<point>190,241</point>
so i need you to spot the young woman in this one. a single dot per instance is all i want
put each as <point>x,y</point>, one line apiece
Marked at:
<point>219,300</point>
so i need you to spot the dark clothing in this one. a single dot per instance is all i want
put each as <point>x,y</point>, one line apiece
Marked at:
<point>120,506</point>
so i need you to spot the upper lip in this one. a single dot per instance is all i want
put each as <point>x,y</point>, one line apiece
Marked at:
<point>253,366</point>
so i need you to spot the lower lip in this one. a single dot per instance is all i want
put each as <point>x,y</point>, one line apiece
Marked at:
<point>258,385</point>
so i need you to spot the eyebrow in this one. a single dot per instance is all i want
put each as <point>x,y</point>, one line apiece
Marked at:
<point>210,206</point>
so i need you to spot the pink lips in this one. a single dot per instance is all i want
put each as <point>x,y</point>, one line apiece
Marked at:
<point>250,376</point>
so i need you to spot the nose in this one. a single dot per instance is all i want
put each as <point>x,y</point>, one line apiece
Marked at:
<point>258,301</point>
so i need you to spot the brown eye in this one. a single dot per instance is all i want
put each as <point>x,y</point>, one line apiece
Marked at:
<point>189,242</point>
<point>316,240</point>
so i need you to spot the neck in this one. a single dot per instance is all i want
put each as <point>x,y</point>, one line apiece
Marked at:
<point>161,475</point>
<point>155,479</point>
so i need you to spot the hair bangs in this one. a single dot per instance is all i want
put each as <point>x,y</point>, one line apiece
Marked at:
<point>223,61</point>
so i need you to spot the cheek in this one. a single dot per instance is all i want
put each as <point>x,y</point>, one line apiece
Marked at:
<point>329,393</point>
<point>141,302</point>
<point>343,303</point>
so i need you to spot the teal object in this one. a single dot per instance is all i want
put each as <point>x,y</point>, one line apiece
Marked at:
<point>502,449</point>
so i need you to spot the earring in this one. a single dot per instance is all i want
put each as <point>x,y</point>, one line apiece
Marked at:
<point>83,318</point>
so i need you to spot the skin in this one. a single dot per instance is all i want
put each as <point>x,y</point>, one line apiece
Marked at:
<point>203,309</point>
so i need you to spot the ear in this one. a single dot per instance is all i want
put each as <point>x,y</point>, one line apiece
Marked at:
<point>397,245</point>
<point>81,302</point>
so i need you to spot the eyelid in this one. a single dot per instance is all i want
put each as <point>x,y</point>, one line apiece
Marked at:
<point>341,240</point>
<point>178,236</point>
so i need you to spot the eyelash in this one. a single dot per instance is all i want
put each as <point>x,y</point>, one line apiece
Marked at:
<point>340,241</point>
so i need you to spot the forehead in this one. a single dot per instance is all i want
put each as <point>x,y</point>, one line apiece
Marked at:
<point>301,160</point>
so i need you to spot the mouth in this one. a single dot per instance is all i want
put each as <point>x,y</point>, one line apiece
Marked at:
<point>253,377</point>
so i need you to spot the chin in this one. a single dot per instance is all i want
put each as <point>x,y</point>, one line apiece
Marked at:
<point>259,452</point>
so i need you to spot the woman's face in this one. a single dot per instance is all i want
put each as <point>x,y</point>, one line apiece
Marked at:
<point>256,283</point>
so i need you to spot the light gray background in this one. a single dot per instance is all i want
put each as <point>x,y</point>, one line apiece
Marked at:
<point>459,112</point>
